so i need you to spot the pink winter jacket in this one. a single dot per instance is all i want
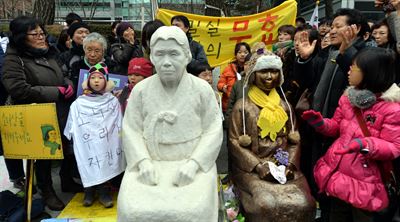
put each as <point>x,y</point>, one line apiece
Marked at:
<point>354,177</point>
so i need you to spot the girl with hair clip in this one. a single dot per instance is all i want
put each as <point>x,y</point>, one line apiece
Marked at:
<point>265,148</point>
<point>354,170</point>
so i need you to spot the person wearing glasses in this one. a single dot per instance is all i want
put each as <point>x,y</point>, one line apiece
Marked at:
<point>94,47</point>
<point>32,75</point>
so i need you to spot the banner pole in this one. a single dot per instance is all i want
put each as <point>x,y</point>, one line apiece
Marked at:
<point>28,189</point>
<point>154,8</point>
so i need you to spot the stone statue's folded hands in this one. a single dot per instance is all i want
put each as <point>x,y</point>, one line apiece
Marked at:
<point>147,173</point>
<point>186,173</point>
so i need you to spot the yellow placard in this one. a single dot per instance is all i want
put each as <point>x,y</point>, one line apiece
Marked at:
<point>30,132</point>
<point>94,213</point>
<point>219,35</point>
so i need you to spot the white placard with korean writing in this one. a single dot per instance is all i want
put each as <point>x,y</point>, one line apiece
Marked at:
<point>94,123</point>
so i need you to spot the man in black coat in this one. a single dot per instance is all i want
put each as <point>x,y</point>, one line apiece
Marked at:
<point>346,40</point>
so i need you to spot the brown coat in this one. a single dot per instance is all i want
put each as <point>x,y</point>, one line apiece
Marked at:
<point>266,199</point>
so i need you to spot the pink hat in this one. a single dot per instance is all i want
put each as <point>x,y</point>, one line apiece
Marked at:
<point>140,66</point>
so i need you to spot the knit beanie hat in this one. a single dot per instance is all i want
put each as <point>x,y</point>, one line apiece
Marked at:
<point>75,26</point>
<point>140,66</point>
<point>265,61</point>
<point>99,68</point>
<point>122,27</point>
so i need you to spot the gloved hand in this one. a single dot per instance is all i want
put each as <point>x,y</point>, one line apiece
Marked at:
<point>147,173</point>
<point>313,118</point>
<point>356,145</point>
<point>67,91</point>
<point>186,173</point>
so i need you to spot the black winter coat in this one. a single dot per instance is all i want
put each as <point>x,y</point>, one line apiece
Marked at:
<point>122,53</point>
<point>30,79</point>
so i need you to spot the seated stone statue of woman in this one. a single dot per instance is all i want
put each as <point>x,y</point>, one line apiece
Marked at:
<point>171,135</point>
<point>265,149</point>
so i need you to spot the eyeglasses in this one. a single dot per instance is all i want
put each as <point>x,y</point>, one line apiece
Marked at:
<point>95,51</point>
<point>37,35</point>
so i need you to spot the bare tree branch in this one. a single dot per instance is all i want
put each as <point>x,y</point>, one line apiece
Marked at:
<point>45,10</point>
<point>93,8</point>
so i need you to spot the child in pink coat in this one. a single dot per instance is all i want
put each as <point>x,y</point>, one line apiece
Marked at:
<point>350,171</point>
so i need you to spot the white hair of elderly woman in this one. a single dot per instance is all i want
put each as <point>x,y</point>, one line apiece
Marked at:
<point>95,37</point>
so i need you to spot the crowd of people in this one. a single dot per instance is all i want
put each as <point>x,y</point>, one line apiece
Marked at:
<point>326,96</point>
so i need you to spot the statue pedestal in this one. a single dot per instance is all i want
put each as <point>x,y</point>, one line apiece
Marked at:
<point>197,201</point>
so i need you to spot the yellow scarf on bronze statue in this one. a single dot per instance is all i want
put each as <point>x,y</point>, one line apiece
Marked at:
<point>272,118</point>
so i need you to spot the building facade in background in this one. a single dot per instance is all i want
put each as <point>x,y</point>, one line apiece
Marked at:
<point>306,8</point>
<point>128,10</point>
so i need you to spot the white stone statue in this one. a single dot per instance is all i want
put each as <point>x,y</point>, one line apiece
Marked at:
<point>171,135</point>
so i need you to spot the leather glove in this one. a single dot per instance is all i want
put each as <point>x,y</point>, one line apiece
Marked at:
<point>67,91</point>
<point>186,173</point>
<point>313,118</point>
<point>147,173</point>
<point>356,145</point>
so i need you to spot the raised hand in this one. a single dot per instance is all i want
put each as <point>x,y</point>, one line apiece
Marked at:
<point>348,35</point>
<point>304,48</point>
<point>396,4</point>
<point>378,3</point>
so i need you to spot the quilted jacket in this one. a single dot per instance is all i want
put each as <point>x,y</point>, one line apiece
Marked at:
<point>355,177</point>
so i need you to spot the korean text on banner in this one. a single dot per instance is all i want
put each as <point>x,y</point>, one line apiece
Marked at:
<point>218,35</point>
<point>30,132</point>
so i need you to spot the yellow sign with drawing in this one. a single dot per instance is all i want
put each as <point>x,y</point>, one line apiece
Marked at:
<point>30,132</point>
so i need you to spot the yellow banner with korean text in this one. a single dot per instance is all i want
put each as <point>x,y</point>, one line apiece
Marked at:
<point>219,35</point>
<point>30,132</point>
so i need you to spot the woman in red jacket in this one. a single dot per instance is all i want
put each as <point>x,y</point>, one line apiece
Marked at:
<point>367,126</point>
<point>232,72</point>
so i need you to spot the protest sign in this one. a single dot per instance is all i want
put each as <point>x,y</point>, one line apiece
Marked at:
<point>30,132</point>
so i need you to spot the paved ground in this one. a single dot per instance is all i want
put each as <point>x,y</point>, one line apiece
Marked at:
<point>5,184</point>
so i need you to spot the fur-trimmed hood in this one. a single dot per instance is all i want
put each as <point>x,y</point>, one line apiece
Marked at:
<point>109,86</point>
<point>391,95</point>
